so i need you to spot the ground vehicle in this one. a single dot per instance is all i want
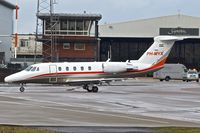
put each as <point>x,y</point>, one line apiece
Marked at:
<point>171,71</point>
<point>192,75</point>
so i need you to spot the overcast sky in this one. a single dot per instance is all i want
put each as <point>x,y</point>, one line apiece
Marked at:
<point>111,10</point>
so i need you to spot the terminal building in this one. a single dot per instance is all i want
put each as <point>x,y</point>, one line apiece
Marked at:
<point>129,40</point>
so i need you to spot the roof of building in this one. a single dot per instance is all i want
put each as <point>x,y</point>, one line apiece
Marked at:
<point>71,16</point>
<point>7,4</point>
<point>148,27</point>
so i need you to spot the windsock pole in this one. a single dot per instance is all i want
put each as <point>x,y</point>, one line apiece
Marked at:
<point>16,28</point>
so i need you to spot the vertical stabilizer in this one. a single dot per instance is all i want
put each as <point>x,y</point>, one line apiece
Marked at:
<point>159,50</point>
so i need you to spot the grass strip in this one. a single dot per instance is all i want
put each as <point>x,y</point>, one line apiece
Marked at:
<point>21,129</point>
<point>177,129</point>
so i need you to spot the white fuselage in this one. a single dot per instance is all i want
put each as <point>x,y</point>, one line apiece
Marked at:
<point>80,71</point>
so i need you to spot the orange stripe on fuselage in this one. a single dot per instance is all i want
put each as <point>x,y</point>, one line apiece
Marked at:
<point>68,73</point>
<point>156,66</point>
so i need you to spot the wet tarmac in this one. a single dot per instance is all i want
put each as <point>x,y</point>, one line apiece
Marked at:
<point>132,103</point>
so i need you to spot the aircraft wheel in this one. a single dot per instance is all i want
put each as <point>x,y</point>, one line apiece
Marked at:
<point>95,89</point>
<point>85,87</point>
<point>89,89</point>
<point>22,89</point>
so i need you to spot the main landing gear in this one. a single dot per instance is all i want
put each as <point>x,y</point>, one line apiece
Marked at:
<point>90,88</point>
<point>22,89</point>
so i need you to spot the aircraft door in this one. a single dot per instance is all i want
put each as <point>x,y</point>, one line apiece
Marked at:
<point>53,70</point>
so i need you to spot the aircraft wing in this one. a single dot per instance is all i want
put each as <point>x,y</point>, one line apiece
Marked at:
<point>93,81</point>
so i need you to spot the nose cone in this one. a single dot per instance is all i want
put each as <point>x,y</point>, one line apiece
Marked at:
<point>9,79</point>
<point>13,78</point>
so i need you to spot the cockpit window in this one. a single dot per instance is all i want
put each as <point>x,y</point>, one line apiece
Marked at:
<point>28,68</point>
<point>33,69</point>
<point>38,69</point>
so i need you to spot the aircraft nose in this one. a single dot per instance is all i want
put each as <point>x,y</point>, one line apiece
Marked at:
<point>14,77</point>
<point>8,79</point>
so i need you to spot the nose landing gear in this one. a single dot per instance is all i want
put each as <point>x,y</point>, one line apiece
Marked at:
<point>22,89</point>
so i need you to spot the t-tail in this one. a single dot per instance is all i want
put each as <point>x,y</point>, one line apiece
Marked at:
<point>159,50</point>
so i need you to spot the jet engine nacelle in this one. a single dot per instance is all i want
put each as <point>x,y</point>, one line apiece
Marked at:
<point>114,67</point>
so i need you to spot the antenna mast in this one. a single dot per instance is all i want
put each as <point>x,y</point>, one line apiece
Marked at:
<point>50,44</point>
<point>16,29</point>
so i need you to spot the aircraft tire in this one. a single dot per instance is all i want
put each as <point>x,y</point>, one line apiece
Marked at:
<point>85,87</point>
<point>95,89</point>
<point>21,89</point>
<point>89,90</point>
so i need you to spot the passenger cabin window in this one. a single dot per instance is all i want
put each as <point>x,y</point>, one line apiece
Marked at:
<point>67,68</point>
<point>74,68</point>
<point>33,69</point>
<point>59,69</point>
<point>89,68</point>
<point>82,68</point>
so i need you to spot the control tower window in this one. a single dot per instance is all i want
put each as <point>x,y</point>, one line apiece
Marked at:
<point>71,25</point>
<point>64,25</point>
<point>79,25</point>
<point>86,24</point>
<point>47,25</point>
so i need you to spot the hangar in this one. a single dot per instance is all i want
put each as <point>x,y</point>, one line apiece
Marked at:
<point>129,40</point>
<point>6,30</point>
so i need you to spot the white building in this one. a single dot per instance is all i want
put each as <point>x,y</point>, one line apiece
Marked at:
<point>27,49</point>
<point>6,30</point>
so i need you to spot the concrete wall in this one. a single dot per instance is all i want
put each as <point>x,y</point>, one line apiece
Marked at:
<point>6,30</point>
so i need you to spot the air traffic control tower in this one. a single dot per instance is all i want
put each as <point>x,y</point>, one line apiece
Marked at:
<point>70,37</point>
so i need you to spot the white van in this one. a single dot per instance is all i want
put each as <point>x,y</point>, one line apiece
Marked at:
<point>171,71</point>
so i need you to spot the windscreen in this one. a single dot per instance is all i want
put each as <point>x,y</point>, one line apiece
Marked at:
<point>28,68</point>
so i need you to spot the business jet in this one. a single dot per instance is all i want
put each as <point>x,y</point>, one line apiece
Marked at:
<point>91,74</point>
